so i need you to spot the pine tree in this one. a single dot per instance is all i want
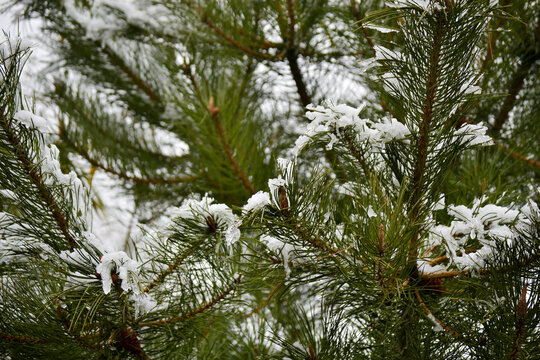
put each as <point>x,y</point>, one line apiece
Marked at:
<point>313,179</point>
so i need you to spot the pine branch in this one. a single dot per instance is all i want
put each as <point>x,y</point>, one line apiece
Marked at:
<point>197,311</point>
<point>492,40</point>
<point>122,175</point>
<point>22,339</point>
<point>443,325</point>
<point>517,155</point>
<point>214,114</point>
<point>521,312</point>
<point>313,239</point>
<point>83,114</point>
<point>425,129</point>
<point>206,20</point>
<point>61,314</point>
<point>292,23</point>
<point>381,247</point>
<point>292,57</point>
<point>516,83</point>
<point>179,260</point>
<point>454,273</point>
<point>268,297</point>
<point>30,169</point>
<point>355,152</point>
<point>360,24</point>
<point>118,61</point>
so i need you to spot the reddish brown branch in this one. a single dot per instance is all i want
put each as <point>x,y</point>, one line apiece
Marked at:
<point>268,297</point>
<point>443,325</point>
<point>197,311</point>
<point>292,23</point>
<point>35,176</point>
<point>169,270</point>
<point>311,352</point>
<point>206,20</point>
<point>444,257</point>
<point>425,129</point>
<point>360,24</point>
<point>517,155</point>
<point>528,59</point>
<point>521,312</point>
<point>122,175</point>
<point>22,339</point>
<point>118,61</point>
<point>314,239</point>
<point>214,114</point>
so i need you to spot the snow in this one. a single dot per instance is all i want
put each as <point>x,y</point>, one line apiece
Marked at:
<point>370,212</point>
<point>327,124</point>
<point>382,53</point>
<point>143,303</point>
<point>276,184</point>
<point>199,210</point>
<point>124,266</point>
<point>257,201</point>
<point>426,5</point>
<point>8,194</point>
<point>380,28</point>
<point>488,225</point>
<point>33,121</point>
<point>440,204</point>
<point>471,135</point>
<point>347,188</point>
<point>436,326</point>
<point>278,246</point>
<point>391,129</point>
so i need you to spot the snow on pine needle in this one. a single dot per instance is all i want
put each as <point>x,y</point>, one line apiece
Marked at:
<point>475,233</point>
<point>328,123</point>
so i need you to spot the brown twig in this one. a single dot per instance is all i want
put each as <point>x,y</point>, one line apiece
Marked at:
<point>453,273</point>
<point>517,155</point>
<point>122,175</point>
<point>425,128</point>
<point>22,339</point>
<point>528,59</point>
<point>311,352</point>
<point>521,312</point>
<point>169,270</point>
<point>444,257</point>
<point>214,114</point>
<point>268,297</point>
<point>313,239</point>
<point>35,176</point>
<point>334,254</point>
<point>430,251</point>
<point>118,61</point>
<point>360,23</point>
<point>206,20</point>
<point>197,311</point>
<point>443,325</point>
<point>292,23</point>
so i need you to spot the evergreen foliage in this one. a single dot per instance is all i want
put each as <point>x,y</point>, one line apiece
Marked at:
<point>313,179</point>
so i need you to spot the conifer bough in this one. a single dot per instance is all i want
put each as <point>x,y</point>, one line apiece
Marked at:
<point>310,179</point>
